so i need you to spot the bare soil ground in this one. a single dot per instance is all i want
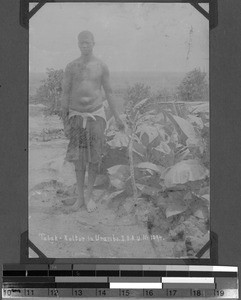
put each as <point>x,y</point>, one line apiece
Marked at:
<point>110,231</point>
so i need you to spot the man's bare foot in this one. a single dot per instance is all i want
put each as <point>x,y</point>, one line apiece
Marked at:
<point>77,205</point>
<point>91,205</point>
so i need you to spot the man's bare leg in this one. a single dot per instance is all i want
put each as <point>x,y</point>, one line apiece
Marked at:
<point>92,173</point>
<point>80,169</point>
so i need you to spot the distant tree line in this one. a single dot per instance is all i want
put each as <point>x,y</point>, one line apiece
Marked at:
<point>194,87</point>
<point>50,91</point>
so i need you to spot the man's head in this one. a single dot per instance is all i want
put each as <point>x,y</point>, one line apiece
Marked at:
<point>86,42</point>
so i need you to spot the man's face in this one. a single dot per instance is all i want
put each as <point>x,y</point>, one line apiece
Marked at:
<point>86,45</point>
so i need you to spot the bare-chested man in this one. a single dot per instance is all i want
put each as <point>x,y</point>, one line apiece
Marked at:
<point>84,116</point>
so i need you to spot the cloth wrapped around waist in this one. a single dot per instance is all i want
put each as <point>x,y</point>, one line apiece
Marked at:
<point>86,134</point>
<point>100,112</point>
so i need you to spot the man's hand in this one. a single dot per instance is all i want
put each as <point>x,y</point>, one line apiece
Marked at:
<point>64,116</point>
<point>119,123</point>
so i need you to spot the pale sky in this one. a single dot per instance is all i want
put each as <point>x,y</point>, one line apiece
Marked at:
<point>159,37</point>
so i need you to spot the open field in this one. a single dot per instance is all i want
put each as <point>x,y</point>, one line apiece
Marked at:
<point>121,80</point>
<point>109,232</point>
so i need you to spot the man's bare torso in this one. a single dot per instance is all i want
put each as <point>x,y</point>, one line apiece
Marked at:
<point>85,85</point>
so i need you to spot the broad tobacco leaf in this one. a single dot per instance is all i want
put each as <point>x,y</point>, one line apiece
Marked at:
<point>147,133</point>
<point>200,108</point>
<point>159,118</point>
<point>146,117</point>
<point>196,149</point>
<point>175,204</point>
<point>151,178</point>
<point>182,137</point>
<point>185,171</point>
<point>118,176</point>
<point>101,180</point>
<point>194,185</point>
<point>164,136</point>
<point>199,210</point>
<point>204,191</point>
<point>147,190</point>
<point>120,140</point>
<point>204,199</point>
<point>201,213</point>
<point>162,202</point>
<point>181,153</point>
<point>110,126</point>
<point>163,148</point>
<point>163,155</point>
<point>207,197</point>
<point>113,157</point>
<point>111,123</point>
<point>110,133</point>
<point>115,194</point>
<point>150,166</point>
<point>196,121</point>
<point>187,128</point>
<point>154,143</point>
<point>188,198</point>
<point>139,148</point>
<point>137,157</point>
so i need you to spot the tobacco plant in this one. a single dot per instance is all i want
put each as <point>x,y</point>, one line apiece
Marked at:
<point>168,155</point>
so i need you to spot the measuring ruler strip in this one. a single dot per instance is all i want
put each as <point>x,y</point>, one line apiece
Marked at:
<point>68,280</point>
<point>56,267</point>
<point>187,279</point>
<point>28,279</point>
<point>224,294</point>
<point>123,270</point>
<point>66,273</point>
<point>136,285</point>
<point>190,280</point>
<point>104,282</point>
<point>189,286</point>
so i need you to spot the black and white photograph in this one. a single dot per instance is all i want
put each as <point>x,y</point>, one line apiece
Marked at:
<point>119,141</point>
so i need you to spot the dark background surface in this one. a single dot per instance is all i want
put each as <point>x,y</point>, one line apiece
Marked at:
<point>225,66</point>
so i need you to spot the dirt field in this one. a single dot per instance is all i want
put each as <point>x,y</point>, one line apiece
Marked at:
<point>109,232</point>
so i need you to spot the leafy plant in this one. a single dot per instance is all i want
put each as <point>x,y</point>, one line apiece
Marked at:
<point>194,87</point>
<point>167,158</point>
<point>49,92</point>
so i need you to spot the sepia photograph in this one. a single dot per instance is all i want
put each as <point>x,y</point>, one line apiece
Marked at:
<point>119,140</point>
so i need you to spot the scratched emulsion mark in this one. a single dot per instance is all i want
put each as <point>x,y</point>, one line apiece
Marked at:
<point>189,43</point>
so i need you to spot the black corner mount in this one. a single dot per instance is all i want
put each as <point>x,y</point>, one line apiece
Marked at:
<point>200,9</point>
<point>25,14</point>
<point>212,15</point>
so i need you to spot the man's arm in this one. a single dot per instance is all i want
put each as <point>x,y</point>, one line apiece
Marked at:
<point>109,95</point>
<point>66,87</point>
